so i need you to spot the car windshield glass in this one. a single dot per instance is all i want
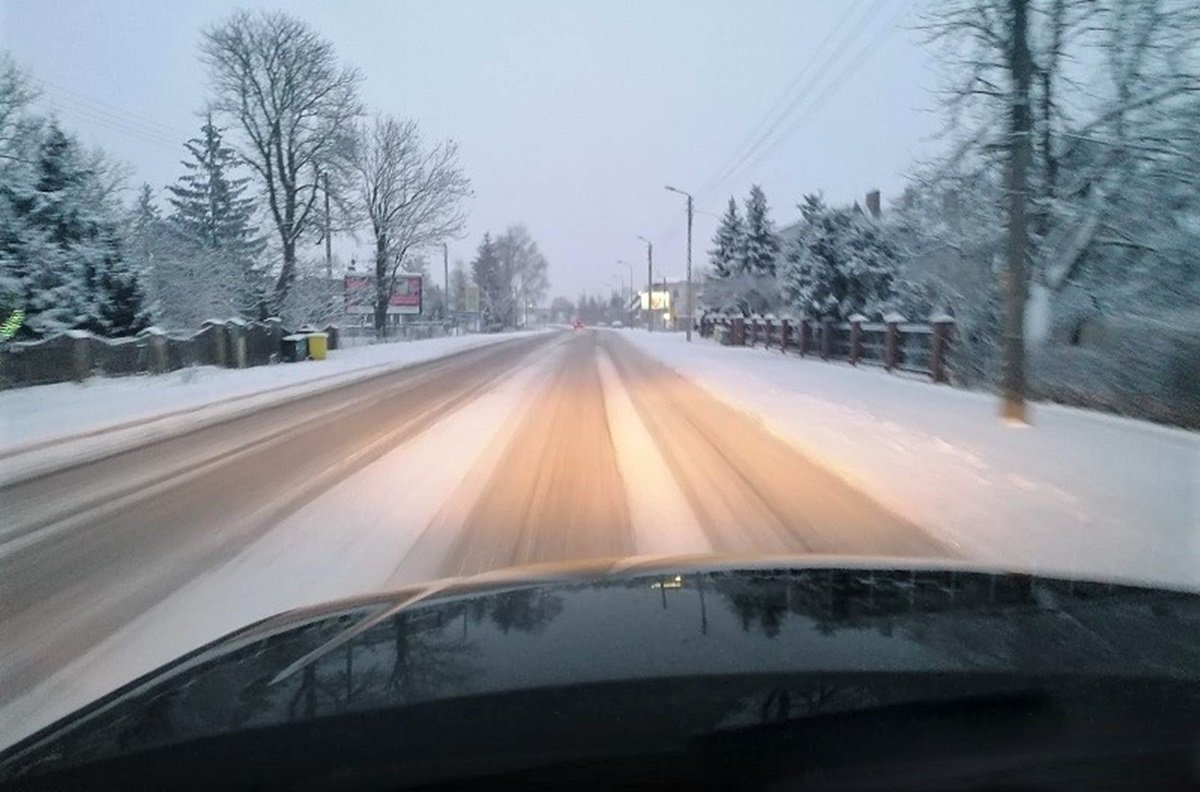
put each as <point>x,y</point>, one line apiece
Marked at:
<point>372,306</point>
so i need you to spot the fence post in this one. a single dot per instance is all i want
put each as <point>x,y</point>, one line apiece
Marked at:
<point>785,335</point>
<point>805,337</point>
<point>275,329</point>
<point>770,326</point>
<point>856,321</point>
<point>739,331</point>
<point>334,334</point>
<point>753,325</point>
<point>891,340</point>
<point>235,331</point>
<point>156,350</point>
<point>826,338</point>
<point>81,354</point>
<point>943,326</point>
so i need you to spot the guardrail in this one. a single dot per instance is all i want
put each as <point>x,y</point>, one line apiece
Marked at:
<point>894,344</point>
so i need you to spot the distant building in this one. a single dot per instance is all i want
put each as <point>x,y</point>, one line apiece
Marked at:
<point>669,303</point>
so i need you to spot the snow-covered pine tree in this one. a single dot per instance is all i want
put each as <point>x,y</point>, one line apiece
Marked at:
<point>761,246</point>
<point>19,132</point>
<point>493,292</point>
<point>67,252</point>
<point>211,208</point>
<point>841,263</point>
<point>726,253</point>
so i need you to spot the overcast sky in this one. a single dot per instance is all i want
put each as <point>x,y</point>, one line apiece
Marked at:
<point>571,116</point>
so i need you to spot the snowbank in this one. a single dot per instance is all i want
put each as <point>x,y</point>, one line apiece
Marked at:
<point>132,408</point>
<point>1077,492</point>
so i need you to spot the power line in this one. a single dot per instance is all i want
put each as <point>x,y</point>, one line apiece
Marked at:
<point>858,59</point>
<point>779,101</point>
<point>129,132</point>
<point>66,104</point>
<point>113,110</point>
<point>861,56</point>
<point>814,76</point>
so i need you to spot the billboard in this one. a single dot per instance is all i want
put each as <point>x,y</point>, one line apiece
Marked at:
<point>472,298</point>
<point>656,301</point>
<point>360,294</point>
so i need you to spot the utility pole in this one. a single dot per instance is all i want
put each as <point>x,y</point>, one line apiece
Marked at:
<point>1020,66</point>
<point>649,284</point>
<point>446,280</point>
<point>688,302</point>
<point>328,235</point>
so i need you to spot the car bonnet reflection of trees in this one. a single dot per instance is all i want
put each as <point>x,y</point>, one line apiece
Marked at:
<point>964,623</point>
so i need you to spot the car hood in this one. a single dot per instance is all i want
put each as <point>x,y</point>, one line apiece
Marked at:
<point>574,625</point>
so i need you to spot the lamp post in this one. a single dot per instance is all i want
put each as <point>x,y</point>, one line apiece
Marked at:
<point>649,284</point>
<point>689,259</point>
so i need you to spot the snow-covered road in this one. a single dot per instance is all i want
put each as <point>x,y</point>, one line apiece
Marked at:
<point>537,449</point>
<point>545,448</point>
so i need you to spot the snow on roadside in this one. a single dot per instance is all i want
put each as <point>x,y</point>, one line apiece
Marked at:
<point>102,415</point>
<point>1078,492</point>
<point>350,540</point>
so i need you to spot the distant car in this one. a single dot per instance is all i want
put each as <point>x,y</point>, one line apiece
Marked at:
<point>617,323</point>
<point>577,324</point>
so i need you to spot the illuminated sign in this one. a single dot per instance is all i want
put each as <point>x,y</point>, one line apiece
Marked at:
<point>657,301</point>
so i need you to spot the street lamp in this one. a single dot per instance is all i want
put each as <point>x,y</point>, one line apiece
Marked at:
<point>649,283</point>
<point>689,259</point>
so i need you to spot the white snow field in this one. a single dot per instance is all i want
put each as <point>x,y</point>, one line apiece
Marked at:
<point>1076,492</point>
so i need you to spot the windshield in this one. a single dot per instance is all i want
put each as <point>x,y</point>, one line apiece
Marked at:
<point>303,302</point>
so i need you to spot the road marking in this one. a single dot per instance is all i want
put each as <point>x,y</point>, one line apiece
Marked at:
<point>663,522</point>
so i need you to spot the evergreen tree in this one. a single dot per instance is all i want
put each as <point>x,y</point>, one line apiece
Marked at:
<point>212,209</point>
<point>726,253</point>
<point>842,263</point>
<point>67,255</point>
<point>458,287</point>
<point>493,295</point>
<point>761,246</point>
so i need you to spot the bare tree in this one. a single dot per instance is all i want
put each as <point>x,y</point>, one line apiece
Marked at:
<point>408,196</point>
<point>524,267</point>
<point>17,93</point>
<point>1111,165</point>
<point>294,104</point>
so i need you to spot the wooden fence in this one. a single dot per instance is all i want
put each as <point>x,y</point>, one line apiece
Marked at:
<point>893,344</point>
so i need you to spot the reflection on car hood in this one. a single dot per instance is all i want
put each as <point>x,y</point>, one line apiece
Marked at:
<point>603,622</point>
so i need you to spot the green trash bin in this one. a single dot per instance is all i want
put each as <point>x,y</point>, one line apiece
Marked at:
<point>295,348</point>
